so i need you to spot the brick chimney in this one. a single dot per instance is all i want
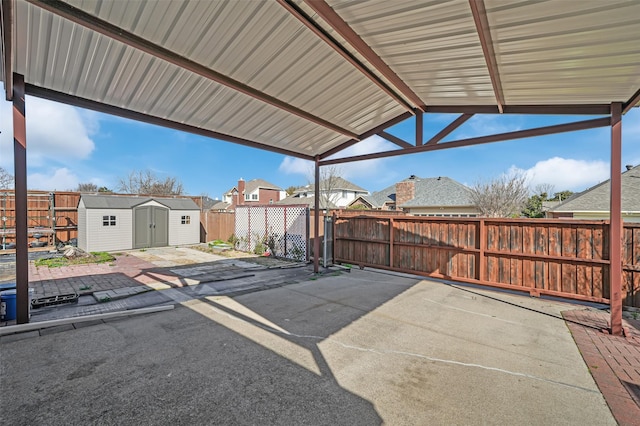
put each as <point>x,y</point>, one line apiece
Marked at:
<point>405,191</point>
<point>240,196</point>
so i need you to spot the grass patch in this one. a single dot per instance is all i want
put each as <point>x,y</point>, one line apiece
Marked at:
<point>94,257</point>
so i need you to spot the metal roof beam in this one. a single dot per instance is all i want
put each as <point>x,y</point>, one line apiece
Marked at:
<point>366,134</point>
<point>580,109</point>
<point>7,8</point>
<point>394,139</point>
<point>307,21</point>
<point>145,118</point>
<point>107,29</point>
<point>355,41</point>
<point>450,128</point>
<point>539,131</point>
<point>482,27</point>
<point>633,101</point>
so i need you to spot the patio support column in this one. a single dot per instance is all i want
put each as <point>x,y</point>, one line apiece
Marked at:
<point>615,232</point>
<point>316,218</point>
<point>20,176</point>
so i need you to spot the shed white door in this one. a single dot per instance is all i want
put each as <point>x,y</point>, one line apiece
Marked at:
<point>150,227</point>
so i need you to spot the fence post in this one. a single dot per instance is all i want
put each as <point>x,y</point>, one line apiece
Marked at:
<point>390,242</point>
<point>482,247</point>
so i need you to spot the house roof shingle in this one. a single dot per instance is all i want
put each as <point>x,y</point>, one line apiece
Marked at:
<point>254,184</point>
<point>441,191</point>
<point>338,184</point>
<point>310,201</point>
<point>596,198</point>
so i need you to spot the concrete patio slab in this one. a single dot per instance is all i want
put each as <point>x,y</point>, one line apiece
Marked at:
<point>359,348</point>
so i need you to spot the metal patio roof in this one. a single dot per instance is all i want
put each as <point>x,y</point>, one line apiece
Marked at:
<point>306,78</point>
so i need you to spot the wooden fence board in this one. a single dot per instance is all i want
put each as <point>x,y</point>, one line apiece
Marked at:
<point>541,256</point>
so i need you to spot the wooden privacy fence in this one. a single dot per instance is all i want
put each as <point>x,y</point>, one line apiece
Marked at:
<point>553,257</point>
<point>216,225</point>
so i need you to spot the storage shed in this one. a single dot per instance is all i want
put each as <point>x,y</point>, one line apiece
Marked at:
<point>108,222</point>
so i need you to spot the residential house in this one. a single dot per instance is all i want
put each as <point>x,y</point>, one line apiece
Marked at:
<point>253,192</point>
<point>309,201</point>
<point>441,196</point>
<point>593,203</point>
<point>334,191</point>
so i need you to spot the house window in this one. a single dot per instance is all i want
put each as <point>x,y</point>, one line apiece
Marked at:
<point>185,220</point>
<point>108,221</point>
<point>254,197</point>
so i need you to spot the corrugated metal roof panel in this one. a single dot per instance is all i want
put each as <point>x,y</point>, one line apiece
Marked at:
<point>546,52</point>
<point>145,84</point>
<point>257,43</point>
<point>421,41</point>
<point>575,52</point>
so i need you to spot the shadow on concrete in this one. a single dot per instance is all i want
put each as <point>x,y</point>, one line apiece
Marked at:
<point>214,360</point>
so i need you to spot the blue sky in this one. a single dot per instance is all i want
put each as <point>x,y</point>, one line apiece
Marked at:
<point>67,146</point>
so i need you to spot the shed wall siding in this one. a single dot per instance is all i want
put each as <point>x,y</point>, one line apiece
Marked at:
<point>82,227</point>
<point>109,238</point>
<point>180,234</point>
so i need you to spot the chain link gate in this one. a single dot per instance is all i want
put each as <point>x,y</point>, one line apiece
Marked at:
<point>282,230</point>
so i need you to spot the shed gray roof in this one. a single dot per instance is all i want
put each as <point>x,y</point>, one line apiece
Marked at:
<point>124,202</point>
<point>596,198</point>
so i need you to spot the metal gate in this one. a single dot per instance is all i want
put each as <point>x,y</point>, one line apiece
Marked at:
<point>283,231</point>
<point>327,242</point>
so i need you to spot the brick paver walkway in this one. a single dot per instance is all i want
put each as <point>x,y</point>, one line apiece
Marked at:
<point>126,271</point>
<point>614,361</point>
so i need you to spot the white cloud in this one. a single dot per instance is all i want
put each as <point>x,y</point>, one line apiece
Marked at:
<point>565,173</point>
<point>485,124</point>
<point>296,166</point>
<point>355,170</point>
<point>55,132</point>
<point>59,179</point>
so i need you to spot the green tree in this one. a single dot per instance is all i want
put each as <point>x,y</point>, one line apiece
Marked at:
<point>290,190</point>
<point>561,196</point>
<point>533,206</point>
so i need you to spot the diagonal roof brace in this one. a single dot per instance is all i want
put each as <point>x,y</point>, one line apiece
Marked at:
<point>105,28</point>
<point>354,40</point>
<point>500,137</point>
<point>484,33</point>
<point>450,128</point>
<point>633,101</point>
<point>307,21</point>
<point>394,139</point>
